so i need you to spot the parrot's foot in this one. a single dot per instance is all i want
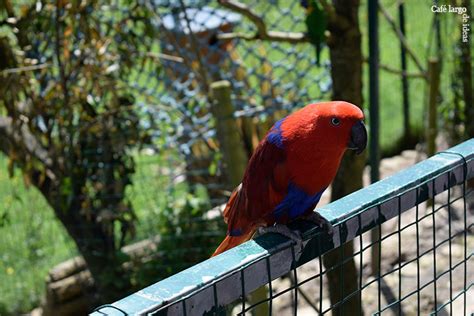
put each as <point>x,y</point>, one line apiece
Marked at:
<point>320,221</point>
<point>281,229</point>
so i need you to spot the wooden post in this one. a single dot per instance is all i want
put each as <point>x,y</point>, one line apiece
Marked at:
<point>235,158</point>
<point>432,126</point>
<point>375,250</point>
<point>227,131</point>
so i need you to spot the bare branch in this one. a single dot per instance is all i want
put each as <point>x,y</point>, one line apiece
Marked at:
<point>401,72</point>
<point>21,138</point>
<point>403,40</point>
<point>172,39</point>
<point>24,69</point>
<point>246,11</point>
<point>195,47</point>
<point>262,32</point>
<point>229,36</point>
<point>166,57</point>
<point>275,36</point>
<point>58,45</point>
<point>395,71</point>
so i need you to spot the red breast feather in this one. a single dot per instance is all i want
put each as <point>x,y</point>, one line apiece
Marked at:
<point>314,145</point>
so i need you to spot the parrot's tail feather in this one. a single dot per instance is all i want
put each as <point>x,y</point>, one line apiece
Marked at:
<point>236,202</point>
<point>232,241</point>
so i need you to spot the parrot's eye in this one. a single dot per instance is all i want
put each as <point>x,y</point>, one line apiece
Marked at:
<point>335,121</point>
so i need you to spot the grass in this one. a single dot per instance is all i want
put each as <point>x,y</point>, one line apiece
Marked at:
<point>33,241</point>
<point>420,37</point>
<point>391,117</point>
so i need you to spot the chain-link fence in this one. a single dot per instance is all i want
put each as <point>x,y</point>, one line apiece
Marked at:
<point>267,78</point>
<point>179,176</point>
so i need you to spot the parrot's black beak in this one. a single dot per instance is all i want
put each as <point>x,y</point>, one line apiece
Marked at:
<point>358,139</point>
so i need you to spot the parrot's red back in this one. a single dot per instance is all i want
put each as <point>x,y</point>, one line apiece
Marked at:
<point>295,162</point>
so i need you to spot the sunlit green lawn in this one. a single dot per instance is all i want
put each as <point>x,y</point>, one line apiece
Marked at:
<point>31,242</point>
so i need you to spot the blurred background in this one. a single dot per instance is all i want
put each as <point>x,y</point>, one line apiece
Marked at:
<point>114,138</point>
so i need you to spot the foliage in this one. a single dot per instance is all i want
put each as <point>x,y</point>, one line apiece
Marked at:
<point>456,58</point>
<point>69,122</point>
<point>187,235</point>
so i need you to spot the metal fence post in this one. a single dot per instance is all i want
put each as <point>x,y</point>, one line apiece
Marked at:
<point>403,56</point>
<point>374,117</point>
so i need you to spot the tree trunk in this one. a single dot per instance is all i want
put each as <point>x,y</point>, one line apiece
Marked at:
<point>466,74</point>
<point>94,238</point>
<point>95,241</point>
<point>467,83</point>
<point>346,72</point>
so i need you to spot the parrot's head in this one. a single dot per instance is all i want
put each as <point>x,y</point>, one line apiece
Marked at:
<point>331,126</point>
<point>344,123</point>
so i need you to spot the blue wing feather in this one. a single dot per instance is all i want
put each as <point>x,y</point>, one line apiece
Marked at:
<point>296,202</point>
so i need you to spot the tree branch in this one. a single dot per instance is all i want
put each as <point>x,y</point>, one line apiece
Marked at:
<point>403,40</point>
<point>58,45</point>
<point>161,56</point>
<point>276,36</point>
<point>262,32</point>
<point>395,71</point>
<point>246,11</point>
<point>24,69</point>
<point>195,47</point>
<point>171,37</point>
<point>12,137</point>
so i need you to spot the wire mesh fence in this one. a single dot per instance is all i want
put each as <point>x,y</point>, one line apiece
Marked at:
<point>426,215</point>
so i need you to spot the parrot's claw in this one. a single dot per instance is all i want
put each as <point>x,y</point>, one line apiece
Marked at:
<point>294,235</point>
<point>320,221</point>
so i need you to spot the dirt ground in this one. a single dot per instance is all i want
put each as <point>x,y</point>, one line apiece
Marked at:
<point>389,285</point>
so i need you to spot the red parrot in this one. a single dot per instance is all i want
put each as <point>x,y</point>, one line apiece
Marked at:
<point>291,167</point>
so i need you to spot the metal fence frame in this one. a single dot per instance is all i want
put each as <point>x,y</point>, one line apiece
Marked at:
<point>221,280</point>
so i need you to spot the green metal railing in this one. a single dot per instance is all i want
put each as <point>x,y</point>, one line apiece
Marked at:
<point>425,249</point>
